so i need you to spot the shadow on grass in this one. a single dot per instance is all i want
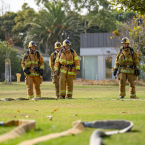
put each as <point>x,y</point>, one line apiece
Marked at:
<point>38,129</point>
<point>135,131</point>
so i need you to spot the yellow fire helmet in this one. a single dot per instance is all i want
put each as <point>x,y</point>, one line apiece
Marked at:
<point>32,43</point>
<point>125,40</point>
<point>66,42</point>
<point>57,45</point>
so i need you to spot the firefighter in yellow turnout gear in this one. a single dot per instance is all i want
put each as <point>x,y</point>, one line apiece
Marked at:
<point>33,66</point>
<point>127,62</point>
<point>52,59</point>
<point>67,65</point>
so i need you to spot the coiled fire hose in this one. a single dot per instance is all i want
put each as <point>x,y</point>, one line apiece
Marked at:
<point>122,126</point>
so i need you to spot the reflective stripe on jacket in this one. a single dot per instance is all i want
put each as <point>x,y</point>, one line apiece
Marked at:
<point>31,62</point>
<point>126,59</point>
<point>67,58</point>
<point>51,60</point>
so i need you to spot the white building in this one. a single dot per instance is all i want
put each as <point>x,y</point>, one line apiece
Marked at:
<point>98,54</point>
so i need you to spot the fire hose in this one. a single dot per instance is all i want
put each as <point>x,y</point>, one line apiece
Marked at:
<point>122,126</point>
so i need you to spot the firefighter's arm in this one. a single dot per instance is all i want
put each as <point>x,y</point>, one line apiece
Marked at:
<point>76,61</point>
<point>57,64</point>
<point>51,63</point>
<point>136,59</point>
<point>23,63</point>
<point>41,62</point>
<point>116,62</point>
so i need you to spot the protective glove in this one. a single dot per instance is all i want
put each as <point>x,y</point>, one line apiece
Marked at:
<point>115,72</point>
<point>57,72</point>
<point>41,72</point>
<point>137,72</point>
<point>36,69</point>
<point>27,71</point>
<point>77,72</point>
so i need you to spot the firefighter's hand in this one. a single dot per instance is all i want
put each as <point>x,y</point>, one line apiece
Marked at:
<point>57,72</point>
<point>41,72</point>
<point>77,72</point>
<point>115,72</point>
<point>36,69</point>
<point>137,72</point>
<point>52,71</point>
<point>27,71</point>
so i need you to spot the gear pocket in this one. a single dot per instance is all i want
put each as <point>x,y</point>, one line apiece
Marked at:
<point>41,79</point>
<point>119,76</point>
<point>74,77</point>
<point>53,80</point>
<point>26,80</point>
<point>135,77</point>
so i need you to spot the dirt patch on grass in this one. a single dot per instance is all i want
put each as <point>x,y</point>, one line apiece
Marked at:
<point>105,82</point>
<point>8,83</point>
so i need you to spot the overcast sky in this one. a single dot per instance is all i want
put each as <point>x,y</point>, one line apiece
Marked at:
<point>15,5</point>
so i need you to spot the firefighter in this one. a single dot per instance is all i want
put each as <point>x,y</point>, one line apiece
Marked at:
<point>127,65</point>
<point>33,66</point>
<point>52,59</point>
<point>67,66</point>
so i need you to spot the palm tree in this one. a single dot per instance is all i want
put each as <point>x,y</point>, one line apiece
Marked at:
<point>49,24</point>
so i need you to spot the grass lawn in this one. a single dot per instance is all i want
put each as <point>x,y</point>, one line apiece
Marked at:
<point>90,103</point>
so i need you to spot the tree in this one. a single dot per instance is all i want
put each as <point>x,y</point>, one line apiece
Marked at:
<point>136,34</point>
<point>90,5</point>
<point>134,5</point>
<point>7,22</point>
<point>123,16</point>
<point>41,1</point>
<point>49,25</point>
<point>23,16</point>
<point>103,21</point>
<point>77,5</point>
<point>15,60</point>
<point>10,38</point>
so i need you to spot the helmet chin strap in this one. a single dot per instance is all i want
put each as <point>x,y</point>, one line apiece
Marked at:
<point>66,49</point>
<point>31,51</point>
<point>56,51</point>
<point>126,47</point>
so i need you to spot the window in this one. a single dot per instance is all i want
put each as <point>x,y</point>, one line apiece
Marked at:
<point>90,67</point>
<point>108,67</point>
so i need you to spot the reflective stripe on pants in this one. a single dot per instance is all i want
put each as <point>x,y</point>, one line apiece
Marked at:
<point>55,80</point>
<point>66,84</point>
<point>123,77</point>
<point>30,80</point>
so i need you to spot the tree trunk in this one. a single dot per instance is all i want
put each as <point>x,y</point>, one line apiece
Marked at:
<point>39,47</point>
<point>10,72</point>
<point>46,49</point>
<point>7,71</point>
<point>25,47</point>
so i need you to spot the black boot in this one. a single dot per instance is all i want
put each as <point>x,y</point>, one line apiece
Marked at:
<point>62,97</point>
<point>121,97</point>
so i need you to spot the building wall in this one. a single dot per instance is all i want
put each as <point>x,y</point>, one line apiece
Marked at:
<point>89,67</point>
<point>113,64</point>
<point>46,58</point>
<point>101,67</point>
<point>98,51</point>
<point>100,64</point>
<point>93,40</point>
<point>98,45</point>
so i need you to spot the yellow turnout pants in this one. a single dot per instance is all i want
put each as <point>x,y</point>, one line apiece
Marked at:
<point>66,84</point>
<point>123,77</point>
<point>37,80</point>
<point>55,80</point>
